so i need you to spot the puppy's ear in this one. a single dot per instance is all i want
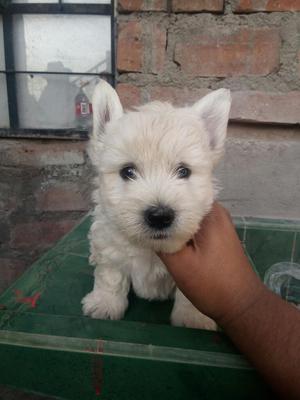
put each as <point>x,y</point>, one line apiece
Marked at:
<point>106,107</point>
<point>213,110</point>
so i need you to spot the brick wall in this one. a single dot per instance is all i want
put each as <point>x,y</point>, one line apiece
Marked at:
<point>44,191</point>
<point>177,50</point>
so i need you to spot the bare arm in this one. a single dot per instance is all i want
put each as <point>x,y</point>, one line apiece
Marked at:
<point>215,275</point>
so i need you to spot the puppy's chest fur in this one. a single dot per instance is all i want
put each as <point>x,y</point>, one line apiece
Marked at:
<point>109,247</point>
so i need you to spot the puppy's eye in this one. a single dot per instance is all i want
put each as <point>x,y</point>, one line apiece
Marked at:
<point>183,172</point>
<point>128,173</point>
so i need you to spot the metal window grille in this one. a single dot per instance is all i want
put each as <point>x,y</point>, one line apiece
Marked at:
<point>11,73</point>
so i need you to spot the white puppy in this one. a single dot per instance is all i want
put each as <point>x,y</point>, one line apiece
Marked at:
<point>154,186</point>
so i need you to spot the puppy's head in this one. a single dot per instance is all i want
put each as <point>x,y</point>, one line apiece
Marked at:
<point>155,165</point>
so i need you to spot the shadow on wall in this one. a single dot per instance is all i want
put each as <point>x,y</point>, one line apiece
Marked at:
<point>49,98</point>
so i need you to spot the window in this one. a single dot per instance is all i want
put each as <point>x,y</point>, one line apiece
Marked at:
<point>52,53</point>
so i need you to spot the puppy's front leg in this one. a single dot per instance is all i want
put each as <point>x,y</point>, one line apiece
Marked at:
<point>185,314</point>
<point>108,299</point>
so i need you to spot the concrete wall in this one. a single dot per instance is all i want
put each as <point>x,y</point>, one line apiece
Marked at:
<point>260,173</point>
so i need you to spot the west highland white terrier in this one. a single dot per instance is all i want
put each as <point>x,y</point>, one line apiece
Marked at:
<point>154,186</point>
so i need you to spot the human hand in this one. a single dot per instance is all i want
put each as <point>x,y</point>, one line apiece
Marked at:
<point>213,271</point>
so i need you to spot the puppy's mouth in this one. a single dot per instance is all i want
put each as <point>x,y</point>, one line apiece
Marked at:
<point>159,236</point>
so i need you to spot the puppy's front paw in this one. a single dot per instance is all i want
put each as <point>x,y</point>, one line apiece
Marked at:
<point>190,317</point>
<point>104,305</point>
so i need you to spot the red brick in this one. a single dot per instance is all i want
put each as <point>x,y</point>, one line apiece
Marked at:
<point>130,95</point>
<point>248,6</point>
<point>247,106</point>
<point>39,234</point>
<point>220,52</point>
<point>141,47</point>
<point>130,49</point>
<point>63,197</point>
<point>265,107</point>
<point>142,5</point>
<point>10,270</point>
<point>197,5</point>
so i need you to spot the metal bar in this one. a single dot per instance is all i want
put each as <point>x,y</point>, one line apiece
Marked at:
<point>10,78</point>
<point>113,50</point>
<point>58,8</point>
<point>11,71</point>
<point>75,134</point>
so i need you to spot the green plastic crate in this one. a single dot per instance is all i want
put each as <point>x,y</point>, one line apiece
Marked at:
<point>48,346</point>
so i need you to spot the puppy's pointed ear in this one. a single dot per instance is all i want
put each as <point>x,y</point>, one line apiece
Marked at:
<point>213,110</point>
<point>106,107</point>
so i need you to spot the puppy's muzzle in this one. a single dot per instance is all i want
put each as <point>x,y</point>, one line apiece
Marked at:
<point>160,217</point>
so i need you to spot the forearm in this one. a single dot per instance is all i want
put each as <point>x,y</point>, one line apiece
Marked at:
<point>268,333</point>
<point>216,276</point>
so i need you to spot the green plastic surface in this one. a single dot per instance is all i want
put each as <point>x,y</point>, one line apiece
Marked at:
<point>48,346</point>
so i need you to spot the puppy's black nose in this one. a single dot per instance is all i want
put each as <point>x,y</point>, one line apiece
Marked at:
<point>159,217</point>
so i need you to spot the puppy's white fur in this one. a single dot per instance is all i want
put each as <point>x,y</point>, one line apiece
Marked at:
<point>156,138</point>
